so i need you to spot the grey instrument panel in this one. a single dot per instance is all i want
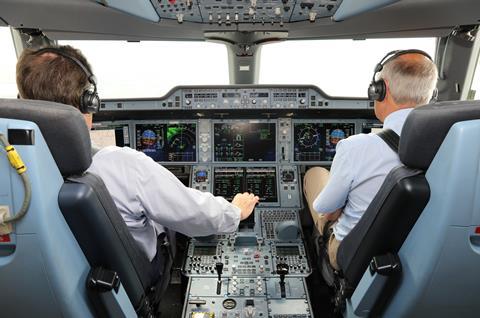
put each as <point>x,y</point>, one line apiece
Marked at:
<point>228,12</point>
<point>229,97</point>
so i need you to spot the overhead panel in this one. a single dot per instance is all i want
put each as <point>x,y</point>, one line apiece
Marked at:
<point>230,12</point>
<point>351,8</point>
<point>139,8</point>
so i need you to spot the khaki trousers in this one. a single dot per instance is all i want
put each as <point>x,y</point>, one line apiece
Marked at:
<point>313,183</point>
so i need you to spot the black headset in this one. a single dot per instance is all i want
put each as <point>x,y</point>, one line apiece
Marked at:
<point>377,89</point>
<point>89,100</point>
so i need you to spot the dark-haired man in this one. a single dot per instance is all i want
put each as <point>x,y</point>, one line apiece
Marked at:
<point>148,196</point>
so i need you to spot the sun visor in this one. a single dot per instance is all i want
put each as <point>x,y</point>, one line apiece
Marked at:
<point>140,8</point>
<point>350,8</point>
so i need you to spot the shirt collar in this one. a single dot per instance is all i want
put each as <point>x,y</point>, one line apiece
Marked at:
<point>396,120</point>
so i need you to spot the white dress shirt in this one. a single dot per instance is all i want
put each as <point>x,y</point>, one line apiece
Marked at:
<point>358,170</point>
<point>149,197</point>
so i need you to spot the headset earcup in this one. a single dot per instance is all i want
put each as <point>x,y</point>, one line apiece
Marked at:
<point>84,102</point>
<point>89,102</point>
<point>377,90</point>
<point>95,106</point>
<point>381,89</point>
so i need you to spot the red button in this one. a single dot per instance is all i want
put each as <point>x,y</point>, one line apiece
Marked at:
<point>5,238</point>
<point>477,230</point>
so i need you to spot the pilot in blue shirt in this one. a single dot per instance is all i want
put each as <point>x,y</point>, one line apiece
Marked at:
<point>362,161</point>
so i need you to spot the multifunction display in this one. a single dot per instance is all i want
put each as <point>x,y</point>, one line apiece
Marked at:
<point>243,141</point>
<point>166,142</point>
<point>318,141</point>
<point>261,181</point>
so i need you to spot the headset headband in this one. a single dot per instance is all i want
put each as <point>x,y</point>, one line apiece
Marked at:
<point>393,55</point>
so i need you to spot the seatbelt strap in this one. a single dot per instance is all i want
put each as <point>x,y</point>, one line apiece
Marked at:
<point>390,138</point>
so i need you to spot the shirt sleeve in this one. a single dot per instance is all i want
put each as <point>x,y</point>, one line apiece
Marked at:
<point>166,201</point>
<point>335,193</point>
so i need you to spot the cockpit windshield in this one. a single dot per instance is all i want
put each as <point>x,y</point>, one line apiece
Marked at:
<point>151,69</point>
<point>338,67</point>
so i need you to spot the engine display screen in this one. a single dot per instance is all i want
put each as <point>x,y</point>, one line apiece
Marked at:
<point>318,141</point>
<point>167,142</point>
<point>261,181</point>
<point>244,142</point>
<point>228,182</point>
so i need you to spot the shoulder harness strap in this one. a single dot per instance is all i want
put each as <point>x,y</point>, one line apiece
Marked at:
<point>390,138</point>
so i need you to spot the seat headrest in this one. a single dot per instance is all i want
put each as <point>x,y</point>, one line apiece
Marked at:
<point>63,128</point>
<point>426,127</point>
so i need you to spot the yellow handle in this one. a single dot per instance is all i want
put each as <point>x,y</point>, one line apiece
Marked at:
<point>15,159</point>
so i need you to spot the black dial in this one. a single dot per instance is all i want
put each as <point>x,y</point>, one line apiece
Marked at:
<point>229,303</point>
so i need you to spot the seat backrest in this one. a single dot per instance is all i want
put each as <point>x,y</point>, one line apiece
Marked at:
<point>441,255</point>
<point>85,202</point>
<point>402,197</point>
<point>386,223</point>
<point>103,235</point>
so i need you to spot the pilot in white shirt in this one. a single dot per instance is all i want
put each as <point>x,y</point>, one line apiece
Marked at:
<point>147,195</point>
<point>149,198</point>
<point>363,161</point>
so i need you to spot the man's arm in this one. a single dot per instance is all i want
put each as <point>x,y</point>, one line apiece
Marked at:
<point>334,196</point>
<point>166,201</point>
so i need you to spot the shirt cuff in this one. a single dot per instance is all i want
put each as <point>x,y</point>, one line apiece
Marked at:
<point>231,219</point>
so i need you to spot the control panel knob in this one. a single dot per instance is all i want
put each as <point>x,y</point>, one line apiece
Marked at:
<point>188,102</point>
<point>302,101</point>
<point>254,101</point>
<point>288,176</point>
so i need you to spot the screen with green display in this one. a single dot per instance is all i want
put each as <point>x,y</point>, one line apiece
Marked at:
<point>167,142</point>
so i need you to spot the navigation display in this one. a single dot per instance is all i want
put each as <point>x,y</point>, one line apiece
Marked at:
<point>261,181</point>
<point>318,141</point>
<point>167,142</point>
<point>244,142</point>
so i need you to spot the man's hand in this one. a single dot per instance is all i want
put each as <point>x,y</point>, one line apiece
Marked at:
<point>246,202</point>
<point>334,215</point>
